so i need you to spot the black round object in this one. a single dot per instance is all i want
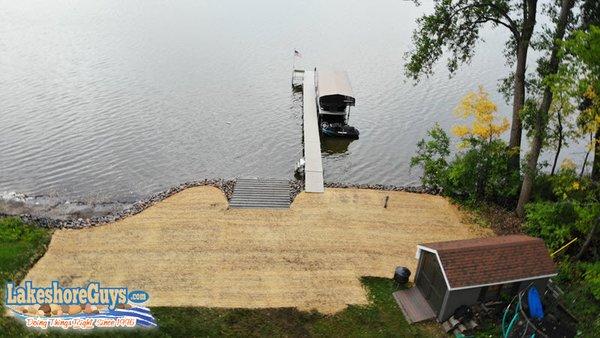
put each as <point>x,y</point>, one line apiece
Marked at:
<point>401,275</point>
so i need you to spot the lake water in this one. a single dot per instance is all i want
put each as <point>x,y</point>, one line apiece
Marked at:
<point>104,101</point>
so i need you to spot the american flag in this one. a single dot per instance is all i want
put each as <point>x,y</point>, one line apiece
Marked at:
<point>297,53</point>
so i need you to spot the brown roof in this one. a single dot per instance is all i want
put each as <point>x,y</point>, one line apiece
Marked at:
<point>493,260</point>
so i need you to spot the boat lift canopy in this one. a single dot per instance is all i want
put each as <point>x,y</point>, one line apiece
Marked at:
<point>334,90</point>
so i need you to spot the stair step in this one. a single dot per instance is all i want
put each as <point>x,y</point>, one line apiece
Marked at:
<point>261,193</point>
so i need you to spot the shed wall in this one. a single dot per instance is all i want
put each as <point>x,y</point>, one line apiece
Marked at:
<point>457,298</point>
<point>430,281</point>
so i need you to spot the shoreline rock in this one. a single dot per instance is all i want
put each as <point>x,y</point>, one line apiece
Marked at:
<point>227,186</point>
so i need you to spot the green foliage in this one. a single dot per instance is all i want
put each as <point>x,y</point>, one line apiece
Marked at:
<point>530,115</point>
<point>559,222</point>
<point>592,278</point>
<point>454,26</point>
<point>567,185</point>
<point>590,13</point>
<point>578,77</point>
<point>431,157</point>
<point>13,229</point>
<point>20,246</point>
<point>581,293</point>
<point>554,222</point>
<point>479,172</point>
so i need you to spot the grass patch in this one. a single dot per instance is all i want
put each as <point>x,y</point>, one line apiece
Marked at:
<point>22,245</point>
<point>381,318</point>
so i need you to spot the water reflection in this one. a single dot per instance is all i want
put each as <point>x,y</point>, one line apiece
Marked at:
<point>334,145</point>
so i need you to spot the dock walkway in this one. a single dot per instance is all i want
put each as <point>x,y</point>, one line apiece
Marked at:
<point>313,167</point>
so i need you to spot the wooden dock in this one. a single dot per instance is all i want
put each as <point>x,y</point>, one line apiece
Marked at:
<point>313,168</point>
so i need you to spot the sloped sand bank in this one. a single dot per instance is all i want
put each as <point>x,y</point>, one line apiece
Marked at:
<point>190,250</point>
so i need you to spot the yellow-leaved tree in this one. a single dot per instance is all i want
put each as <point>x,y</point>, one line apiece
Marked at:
<point>486,126</point>
<point>480,170</point>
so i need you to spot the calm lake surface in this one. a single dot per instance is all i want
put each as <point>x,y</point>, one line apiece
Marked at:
<point>104,101</point>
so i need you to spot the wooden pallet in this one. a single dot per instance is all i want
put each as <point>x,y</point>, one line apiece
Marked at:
<point>413,305</point>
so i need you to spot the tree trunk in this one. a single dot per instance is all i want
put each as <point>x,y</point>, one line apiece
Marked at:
<point>596,163</point>
<point>588,240</point>
<point>482,176</point>
<point>585,160</point>
<point>541,119</point>
<point>516,129</point>
<point>560,141</point>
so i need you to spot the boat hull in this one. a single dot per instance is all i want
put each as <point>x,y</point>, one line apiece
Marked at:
<point>343,131</point>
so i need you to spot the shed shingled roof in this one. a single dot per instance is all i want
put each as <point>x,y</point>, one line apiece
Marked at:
<point>493,260</point>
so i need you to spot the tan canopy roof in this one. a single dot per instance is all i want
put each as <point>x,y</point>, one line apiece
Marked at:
<point>334,83</point>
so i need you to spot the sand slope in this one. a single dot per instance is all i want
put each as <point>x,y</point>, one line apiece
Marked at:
<point>189,250</point>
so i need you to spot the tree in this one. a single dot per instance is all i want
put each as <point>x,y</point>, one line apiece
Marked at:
<point>484,127</point>
<point>561,126</point>
<point>579,78</point>
<point>479,170</point>
<point>481,138</point>
<point>539,119</point>
<point>456,24</point>
<point>583,67</point>
<point>590,14</point>
<point>431,157</point>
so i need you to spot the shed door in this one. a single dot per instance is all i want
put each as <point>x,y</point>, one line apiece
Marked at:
<point>430,281</point>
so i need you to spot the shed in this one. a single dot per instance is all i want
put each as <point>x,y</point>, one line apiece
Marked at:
<point>465,272</point>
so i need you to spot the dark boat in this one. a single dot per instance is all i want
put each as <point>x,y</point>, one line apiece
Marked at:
<point>339,130</point>
<point>334,99</point>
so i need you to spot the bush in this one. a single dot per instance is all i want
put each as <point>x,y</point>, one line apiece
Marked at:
<point>560,222</point>
<point>554,222</point>
<point>479,172</point>
<point>581,283</point>
<point>431,157</point>
<point>592,278</point>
